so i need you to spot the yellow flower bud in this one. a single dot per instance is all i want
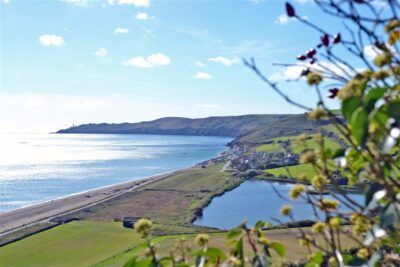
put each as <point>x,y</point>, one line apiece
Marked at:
<point>143,227</point>
<point>383,59</point>
<point>318,227</point>
<point>319,181</point>
<point>328,204</point>
<point>307,157</point>
<point>393,24</point>
<point>296,191</point>
<point>264,240</point>
<point>362,253</point>
<point>335,222</point>
<point>314,78</point>
<point>286,210</point>
<point>317,114</point>
<point>202,239</point>
<point>332,261</point>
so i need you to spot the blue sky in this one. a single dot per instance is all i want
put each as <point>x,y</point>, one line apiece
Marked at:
<point>75,61</point>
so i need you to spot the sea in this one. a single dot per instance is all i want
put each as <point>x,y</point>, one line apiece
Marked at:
<point>39,167</point>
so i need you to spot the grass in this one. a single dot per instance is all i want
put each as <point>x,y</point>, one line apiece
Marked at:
<point>312,144</point>
<point>165,244</point>
<point>295,170</point>
<point>268,148</point>
<point>169,203</point>
<point>79,243</point>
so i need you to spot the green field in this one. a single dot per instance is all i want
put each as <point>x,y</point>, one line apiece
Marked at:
<point>268,148</point>
<point>295,170</point>
<point>78,243</point>
<point>312,144</point>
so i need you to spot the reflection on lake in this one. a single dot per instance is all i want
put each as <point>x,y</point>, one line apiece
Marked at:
<point>253,201</point>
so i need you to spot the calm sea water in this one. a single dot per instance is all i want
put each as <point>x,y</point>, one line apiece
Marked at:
<point>40,167</point>
<point>253,201</point>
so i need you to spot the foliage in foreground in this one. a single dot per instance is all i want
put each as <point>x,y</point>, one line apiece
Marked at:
<point>369,95</point>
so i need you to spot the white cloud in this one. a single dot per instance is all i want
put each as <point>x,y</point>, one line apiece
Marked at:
<point>137,3</point>
<point>102,52</point>
<point>151,61</point>
<point>370,51</point>
<point>6,1</point>
<point>203,76</point>
<point>294,72</point>
<point>283,19</point>
<point>120,30</point>
<point>143,16</point>
<point>51,39</point>
<point>225,61</point>
<point>199,64</point>
<point>77,2</point>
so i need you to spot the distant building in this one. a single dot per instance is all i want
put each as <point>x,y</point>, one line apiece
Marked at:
<point>129,222</point>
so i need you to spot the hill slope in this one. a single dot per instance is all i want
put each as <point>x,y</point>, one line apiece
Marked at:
<point>212,126</point>
<point>291,125</point>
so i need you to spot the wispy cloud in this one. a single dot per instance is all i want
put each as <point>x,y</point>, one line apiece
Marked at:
<point>102,52</point>
<point>154,60</point>
<point>203,76</point>
<point>51,40</point>
<point>137,3</point>
<point>284,19</point>
<point>199,64</point>
<point>77,2</point>
<point>225,61</point>
<point>143,16</point>
<point>6,1</point>
<point>121,30</point>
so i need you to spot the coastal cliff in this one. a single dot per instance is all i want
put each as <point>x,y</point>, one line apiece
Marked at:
<point>233,126</point>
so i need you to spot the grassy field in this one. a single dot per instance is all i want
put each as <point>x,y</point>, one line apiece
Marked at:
<point>170,203</point>
<point>312,144</point>
<point>78,243</point>
<point>295,170</point>
<point>100,244</point>
<point>268,148</point>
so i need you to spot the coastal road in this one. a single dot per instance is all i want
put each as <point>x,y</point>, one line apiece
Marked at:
<point>17,219</point>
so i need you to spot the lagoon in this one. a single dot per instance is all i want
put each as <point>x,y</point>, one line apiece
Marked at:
<point>253,201</point>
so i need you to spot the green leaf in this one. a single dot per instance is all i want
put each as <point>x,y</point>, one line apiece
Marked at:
<point>238,251</point>
<point>349,106</point>
<point>359,126</point>
<point>316,260</point>
<point>373,96</point>
<point>235,232</point>
<point>211,253</point>
<point>351,260</point>
<point>393,110</point>
<point>260,224</point>
<point>379,117</point>
<point>338,153</point>
<point>130,263</point>
<point>279,248</point>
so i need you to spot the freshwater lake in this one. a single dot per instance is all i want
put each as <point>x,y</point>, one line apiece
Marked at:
<point>254,201</point>
<point>40,167</point>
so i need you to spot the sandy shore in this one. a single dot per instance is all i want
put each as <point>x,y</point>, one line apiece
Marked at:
<point>17,219</point>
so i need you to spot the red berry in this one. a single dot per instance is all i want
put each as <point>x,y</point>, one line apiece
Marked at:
<point>301,57</point>
<point>325,40</point>
<point>290,10</point>
<point>334,92</point>
<point>337,38</point>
